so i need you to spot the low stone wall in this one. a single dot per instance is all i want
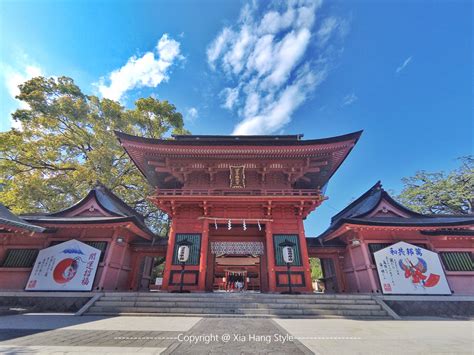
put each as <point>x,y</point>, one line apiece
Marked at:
<point>44,301</point>
<point>434,306</point>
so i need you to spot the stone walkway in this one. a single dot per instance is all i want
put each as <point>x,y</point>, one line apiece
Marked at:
<point>237,336</point>
<point>67,334</point>
<point>413,336</point>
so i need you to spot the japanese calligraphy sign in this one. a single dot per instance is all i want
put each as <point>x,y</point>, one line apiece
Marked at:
<point>237,176</point>
<point>69,266</point>
<point>407,269</point>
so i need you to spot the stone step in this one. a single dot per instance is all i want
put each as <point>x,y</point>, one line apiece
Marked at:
<point>240,305</point>
<point>245,316</point>
<point>222,315</point>
<point>182,304</point>
<point>234,300</point>
<point>250,311</point>
<point>237,295</point>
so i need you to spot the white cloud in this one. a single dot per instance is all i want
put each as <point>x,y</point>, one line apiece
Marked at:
<point>234,58</point>
<point>264,57</point>
<point>404,64</point>
<point>191,114</point>
<point>349,99</point>
<point>13,77</point>
<point>231,97</point>
<point>276,114</point>
<point>327,28</point>
<point>330,27</point>
<point>219,44</point>
<point>287,55</point>
<point>148,70</point>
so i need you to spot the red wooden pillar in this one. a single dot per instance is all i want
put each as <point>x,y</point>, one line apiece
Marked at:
<point>210,270</point>
<point>368,263</point>
<point>354,267</point>
<point>169,256</point>
<point>125,248</point>
<point>107,260</point>
<point>270,257</point>
<point>263,273</point>
<point>341,282</point>
<point>203,255</point>
<point>132,280</point>
<point>305,255</point>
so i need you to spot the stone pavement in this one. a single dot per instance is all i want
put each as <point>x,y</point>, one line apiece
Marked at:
<point>408,336</point>
<point>67,334</point>
<point>238,336</point>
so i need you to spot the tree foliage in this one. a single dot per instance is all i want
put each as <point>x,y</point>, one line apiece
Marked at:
<point>316,269</point>
<point>438,192</point>
<point>67,144</point>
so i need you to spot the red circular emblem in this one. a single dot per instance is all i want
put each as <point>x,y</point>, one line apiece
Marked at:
<point>65,270</point>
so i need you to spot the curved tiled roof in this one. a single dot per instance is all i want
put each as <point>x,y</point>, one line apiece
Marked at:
<point>368,202</point>
<point>258,140</point>
<point>10,219</point>
<point>107,200</point>
<point>155,157</point>
<point>428,220</point>
<point>357,213</point>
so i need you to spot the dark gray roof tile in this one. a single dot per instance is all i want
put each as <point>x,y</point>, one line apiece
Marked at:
<point>107,200</point>
<point>357,211</point>
<point>10,219</point>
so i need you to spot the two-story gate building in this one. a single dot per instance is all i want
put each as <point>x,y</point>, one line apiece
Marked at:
<point>236,199</point>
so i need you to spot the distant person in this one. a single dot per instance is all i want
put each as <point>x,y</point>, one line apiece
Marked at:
<point>240,285</point>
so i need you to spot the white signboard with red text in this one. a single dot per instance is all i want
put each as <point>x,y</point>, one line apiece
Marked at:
<point>406,269</point>
<point>69,266</point>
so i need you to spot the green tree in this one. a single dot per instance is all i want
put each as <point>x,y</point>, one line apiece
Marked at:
<point>316,270</point>
<point>439,192</point>
<point>67,144</point>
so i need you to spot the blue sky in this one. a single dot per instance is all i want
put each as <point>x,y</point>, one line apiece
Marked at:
<point>399,70</point>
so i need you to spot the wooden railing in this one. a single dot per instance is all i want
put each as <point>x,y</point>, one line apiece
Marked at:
<point>237,192</point>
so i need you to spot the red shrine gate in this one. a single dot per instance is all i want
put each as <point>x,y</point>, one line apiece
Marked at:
<point>235,200</point>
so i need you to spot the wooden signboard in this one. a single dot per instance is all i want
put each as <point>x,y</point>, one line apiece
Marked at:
<point>237,177</point>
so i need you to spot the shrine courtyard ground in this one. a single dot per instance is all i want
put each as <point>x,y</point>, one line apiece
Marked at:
<point>67,334</point>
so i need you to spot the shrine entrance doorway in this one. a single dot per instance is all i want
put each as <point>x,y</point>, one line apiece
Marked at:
<point>237,273</point>
<point>237,260</point>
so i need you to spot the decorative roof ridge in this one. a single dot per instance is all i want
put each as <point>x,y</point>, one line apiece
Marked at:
<point>398,222</point>
<point>98,192</point>
<point>385,195</point>
<point>375,188</point>
<point>32,217</point>
<point>90,194</point>
<point>129,211</point>
<point>203,137</point>
<point>392,221</point>
<point>93,193</point>
<point>417,218</point>
<point>222,142</point>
